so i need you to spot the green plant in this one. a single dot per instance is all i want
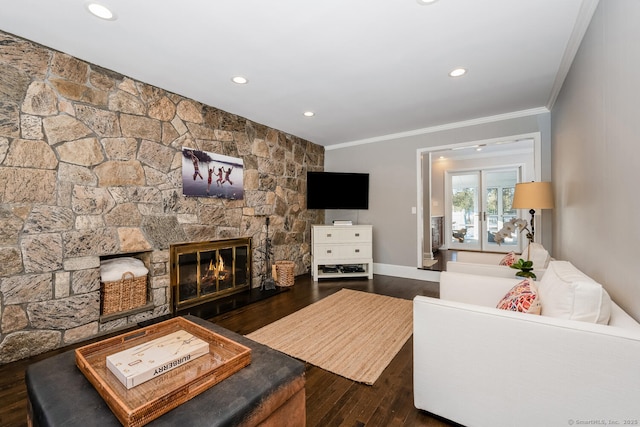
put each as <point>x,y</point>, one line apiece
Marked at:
<point>525,267</point>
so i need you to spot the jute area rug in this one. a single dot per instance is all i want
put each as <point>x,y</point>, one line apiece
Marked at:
<point>350,333</point>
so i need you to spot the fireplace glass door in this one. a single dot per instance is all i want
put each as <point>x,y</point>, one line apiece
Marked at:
<point>208,270</point>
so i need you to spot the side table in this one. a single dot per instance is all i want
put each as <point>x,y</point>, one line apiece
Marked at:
<point>268,392</point>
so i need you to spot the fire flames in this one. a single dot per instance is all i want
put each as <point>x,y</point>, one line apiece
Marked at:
<point>215,271</point>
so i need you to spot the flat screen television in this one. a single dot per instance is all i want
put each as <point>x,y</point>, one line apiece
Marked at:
<point>337,190</point>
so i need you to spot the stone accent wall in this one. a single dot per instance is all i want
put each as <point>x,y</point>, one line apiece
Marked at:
<point>90,166</point>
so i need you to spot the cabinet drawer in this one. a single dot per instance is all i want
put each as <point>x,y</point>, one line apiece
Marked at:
<point>344,252</point>
<point>341,235</point>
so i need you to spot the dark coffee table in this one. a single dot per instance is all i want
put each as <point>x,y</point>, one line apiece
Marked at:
<point>270,391</point>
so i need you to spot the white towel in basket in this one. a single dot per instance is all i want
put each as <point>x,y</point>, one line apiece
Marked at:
<point>113,269</point>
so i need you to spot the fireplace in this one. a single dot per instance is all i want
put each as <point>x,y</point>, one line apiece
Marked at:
<point>204,271</point>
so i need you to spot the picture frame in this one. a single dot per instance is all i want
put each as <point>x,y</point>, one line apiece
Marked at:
<point>206,174</point>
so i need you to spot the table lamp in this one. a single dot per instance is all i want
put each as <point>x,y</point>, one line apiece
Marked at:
<point>532,196</point>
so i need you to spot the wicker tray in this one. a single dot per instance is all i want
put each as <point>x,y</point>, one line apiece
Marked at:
<point>146,402</point>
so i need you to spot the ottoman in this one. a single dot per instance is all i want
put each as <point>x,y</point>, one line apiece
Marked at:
<point>268,392</point>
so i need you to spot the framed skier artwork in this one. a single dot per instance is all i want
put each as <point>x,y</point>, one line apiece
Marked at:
<point>206,174</point>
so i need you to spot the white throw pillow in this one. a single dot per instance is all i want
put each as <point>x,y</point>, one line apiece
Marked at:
<point>538,254</point>
<point>567,293</point>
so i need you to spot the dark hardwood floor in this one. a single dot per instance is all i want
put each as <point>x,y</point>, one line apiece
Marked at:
<point>331,400</point>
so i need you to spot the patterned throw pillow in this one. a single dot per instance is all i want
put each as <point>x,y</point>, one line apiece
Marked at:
<point>523,297</point>
<point>508,259</point>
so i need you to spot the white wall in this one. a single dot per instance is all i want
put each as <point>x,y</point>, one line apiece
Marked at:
<point>596,154</point>
<point>392,166</point>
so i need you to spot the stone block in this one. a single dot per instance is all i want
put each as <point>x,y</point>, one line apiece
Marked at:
<point>162,109</point>
<point>27,288</point>
<point>62,284</point>
<point>11,227</point>
<point>89,222</point>
<point>140,127</point>
<point>76,174</point>
<point>41,252</point>
<point>190,111</point>
<point>119,173</point>
<point>64,128</point>
<point>85,281</point>
<point>123,215</point>
<point>126,103</point>
<point>83,152</point>
<point>21,185</point>
<point>26,153</point>
<point>80,333</point>
<point>14,318</point>
<point>103,122</point>
<point>4,148</point>
<point>81,263</point>
<point>9,119</point>
<point>69,68</point>
<point>132,240</point>
<point>156,155</point>
<point>120,148</point>
<point>23,344</point>
<point>65,313</point>
<point>91,200</point>
<point>31,127</point>
<point>24,55</point>
<point>79,92</point>
<point>10,261</point>
<point>90,242</point>
<point>41,100</point>
<point>163,231</point>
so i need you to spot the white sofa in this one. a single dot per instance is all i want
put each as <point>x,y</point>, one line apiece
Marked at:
<point>487,263</point>
<point>481,366</point>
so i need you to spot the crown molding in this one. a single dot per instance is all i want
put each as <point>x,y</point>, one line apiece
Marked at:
<point>440,128</point>
<point>587,9</point>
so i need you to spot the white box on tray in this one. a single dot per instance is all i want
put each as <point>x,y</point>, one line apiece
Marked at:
<point>151,359</point>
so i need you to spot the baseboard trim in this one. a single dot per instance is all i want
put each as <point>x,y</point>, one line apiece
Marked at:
<point>406,272</point>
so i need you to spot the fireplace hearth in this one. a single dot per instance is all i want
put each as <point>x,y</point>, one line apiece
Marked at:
<point>205,271</point>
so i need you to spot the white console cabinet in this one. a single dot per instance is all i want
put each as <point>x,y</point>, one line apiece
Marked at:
<point>341,251</point>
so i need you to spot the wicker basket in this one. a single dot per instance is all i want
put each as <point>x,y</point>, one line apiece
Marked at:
<point>285,270</point>
<point>125,294</point>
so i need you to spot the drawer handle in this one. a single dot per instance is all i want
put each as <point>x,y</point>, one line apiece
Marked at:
<point>357,250</point>
<point>328,234</point>
<point>357,234</point>
<point>328,251</point>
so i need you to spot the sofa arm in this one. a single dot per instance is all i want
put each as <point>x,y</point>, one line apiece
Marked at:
<point>489,258</point>
<point>481,366</point>
<point>481,269</point>
<point>475,289</point>
<point>488,269</point>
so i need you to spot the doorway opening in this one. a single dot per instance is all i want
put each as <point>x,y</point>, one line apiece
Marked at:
<point>500,159</point>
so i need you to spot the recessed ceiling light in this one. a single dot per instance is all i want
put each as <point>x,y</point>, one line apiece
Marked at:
<point>309,114</point>
<point>101,11</point>
<point>425,2</point>
<point>457,72</point>
<point>240,80</point>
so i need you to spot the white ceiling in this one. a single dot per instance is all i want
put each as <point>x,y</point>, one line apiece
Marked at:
<point>367,68</point>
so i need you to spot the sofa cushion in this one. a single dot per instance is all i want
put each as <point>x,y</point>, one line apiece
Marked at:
<point>523,297</point>
<point>568,293</point>
<point>508,259</point>
<point>538,254</point>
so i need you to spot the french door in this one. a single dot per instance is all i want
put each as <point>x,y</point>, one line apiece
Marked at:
<point>479,202</point>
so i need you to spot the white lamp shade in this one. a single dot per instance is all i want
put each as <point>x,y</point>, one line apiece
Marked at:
<point>533,195</point>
